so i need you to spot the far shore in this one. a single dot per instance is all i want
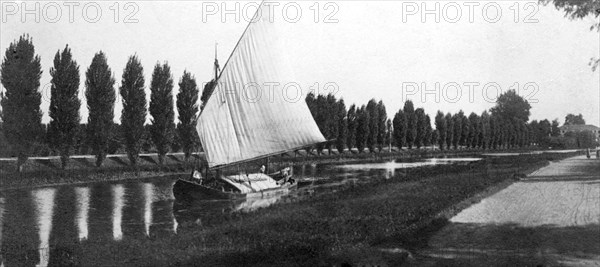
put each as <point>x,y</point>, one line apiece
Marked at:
<point>47,171</point>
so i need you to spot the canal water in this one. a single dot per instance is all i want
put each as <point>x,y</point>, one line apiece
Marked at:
<point>40,227</point>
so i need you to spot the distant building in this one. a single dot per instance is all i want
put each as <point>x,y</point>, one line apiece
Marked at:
<point>580,128</point>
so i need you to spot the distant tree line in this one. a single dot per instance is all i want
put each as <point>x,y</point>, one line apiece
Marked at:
<point>505,126</point>
<point>22,134</point>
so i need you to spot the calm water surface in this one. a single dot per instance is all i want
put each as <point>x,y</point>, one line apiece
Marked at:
<point>40,226</point>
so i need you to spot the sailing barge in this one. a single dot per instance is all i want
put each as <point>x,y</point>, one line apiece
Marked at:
<point>249,117</point>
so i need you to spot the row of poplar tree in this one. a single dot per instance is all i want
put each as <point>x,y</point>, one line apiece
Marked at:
<point>362,127</point>
<point>505,126</point>
<point>21,114</point>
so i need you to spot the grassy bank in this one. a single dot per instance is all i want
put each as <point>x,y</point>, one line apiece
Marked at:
<point>373,223</point>
<point>55,176</point>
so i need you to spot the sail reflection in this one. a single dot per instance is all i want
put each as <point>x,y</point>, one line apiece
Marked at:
<point>82,203</point>
<point>118,192</point>
<point>252,204</point>
<point>44,210</point>
<point>148,190</point>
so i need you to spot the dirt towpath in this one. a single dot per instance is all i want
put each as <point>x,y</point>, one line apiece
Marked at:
<point>551,217</point>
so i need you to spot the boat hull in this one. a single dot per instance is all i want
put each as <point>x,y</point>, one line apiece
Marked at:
<point>187,189</point>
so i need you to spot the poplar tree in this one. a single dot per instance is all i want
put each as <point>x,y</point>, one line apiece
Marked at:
<point>342,126</point>
<point>440,129</point>
<point>399,125</point>
<point>362,131</point>
<point>133,115</point>
<point>449,130</point>
<point>161,109</point>
<point>420,136</point>
<point>495,132</point>
<point>411,123</point>
<point>20,74</point>
<point>332,119</point>
<point>473,130</point>
<point>64,103</point>
<point>101,96</point>
<point>457,121</point>
<point>388,137</point>
<point>428,131</point>
<point>187,109</point>
<point>434,137</point>
<point>485,130</point>
<point>208,89</point>
<point>465,128</point>
<point>382,135</point>
<point>373,111</point>
<point>352,121</point>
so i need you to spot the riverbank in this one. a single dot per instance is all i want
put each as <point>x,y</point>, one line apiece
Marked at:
<point>381,222</point>
<point>47,171</point>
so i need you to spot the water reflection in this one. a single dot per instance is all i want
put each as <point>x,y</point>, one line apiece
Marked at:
<point>1,226</point>
<point>392,165</point>
<point>44,209</point>
<point>118,191</point>
<point>82,203</point>
<point>148,193</point>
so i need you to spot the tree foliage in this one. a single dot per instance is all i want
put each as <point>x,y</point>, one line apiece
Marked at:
<point>161,109</point>
<point>399,133</point>
<point>440,129</point>
<point>373,111</point>
<point>325,111</point>
<point>342,126</point>
<point>449,130</point>
<point>474,130</point>
<point>101,96</point>
<point>382,119</point>
<point>362,131</point>
<point>466,127</point>
<point>457,122</point>
<point>352,121</point>
<point>421,127</point>
<point>64,103</point>
<point>485,133</point>
<point>411,123</point>
<point>571,119</point>
<point>20,74</point>
<point>509,105</point>
<point>187,109</point>
<point>133,115</point>
<point>555,129</point>
<point>428,131</point>
<point>207,91</point>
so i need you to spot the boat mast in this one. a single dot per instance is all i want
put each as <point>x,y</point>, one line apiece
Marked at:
<point>217,68</point>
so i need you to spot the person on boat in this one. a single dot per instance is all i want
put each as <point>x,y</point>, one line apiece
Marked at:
<point>197,176</point>
<point>262,169</point>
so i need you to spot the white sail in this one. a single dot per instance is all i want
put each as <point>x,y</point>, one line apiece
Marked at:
<point>254,110</point>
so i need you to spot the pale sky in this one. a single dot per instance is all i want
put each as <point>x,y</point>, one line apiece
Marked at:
<point>371,49</point>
